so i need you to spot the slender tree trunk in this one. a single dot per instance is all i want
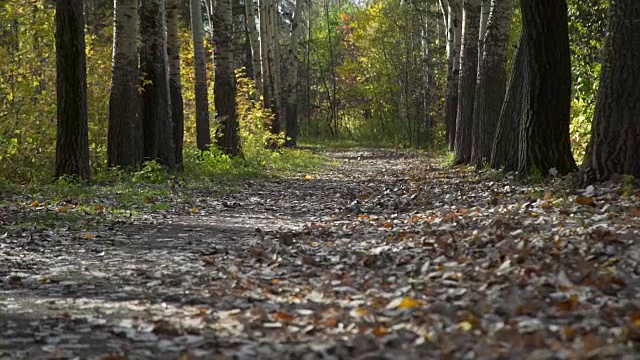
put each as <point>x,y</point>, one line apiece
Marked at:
<point>72,140</point>
<point>505,148</point>
<point>291,81</point>
<point>615,134</point>
<point>454,39</point>
<point>467,87</point>
<point>124,140</point>
<point>156,103</point>
<point>264,54</point>
<point>225,86</point>
<point>547,91</point>
<point>492,80</point>
<point>254,40</point>
<point>203,133</point>
<point>175,83</point>
<point>274,63</point>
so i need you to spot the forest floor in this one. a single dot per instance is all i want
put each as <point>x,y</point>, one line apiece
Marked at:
<point>386,255</point>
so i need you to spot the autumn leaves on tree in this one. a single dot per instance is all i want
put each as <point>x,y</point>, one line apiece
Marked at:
<point>146,111</point>
<point>505,106</point>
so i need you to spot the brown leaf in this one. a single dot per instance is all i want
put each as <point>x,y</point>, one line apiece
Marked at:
<point>585,200</point>
<point>380,331</point>
<point>282,316</point>
<point>568,305</point>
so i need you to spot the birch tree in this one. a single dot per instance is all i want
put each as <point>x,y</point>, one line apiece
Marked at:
<point>175,83</point>
<point>203,137</point>
<point>491,83</point>
<point>124,139</point>
<point>224,86</point>
<point>467,86</point>
<point>254,40</point>
<point>156,103</point>
<point>291,80</point>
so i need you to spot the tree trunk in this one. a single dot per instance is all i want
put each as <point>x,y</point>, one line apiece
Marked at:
<point>505,153</point>
<point>254,40</point>
<point>274,63</point>
<point>72,141</point>
<point>291,82</point>
<point>203,133</point>
<point>547,90</point>
<point>124,143</point>
<point>492,80</point>
<point>454,38</point>
<point>175,83</point>
<point>264,46</point>
<point>615,134</point>
<point>156,104</point>
<point>224,86</point>
<point>468,75</point>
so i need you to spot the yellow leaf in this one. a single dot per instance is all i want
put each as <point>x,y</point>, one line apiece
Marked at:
<point>308,177</point>
<point>35,203</point>
<point>585,200</point>
<point>465,326</point>
<point>195,210</point>
<point>89,236</point>
<point>408,303</point>
<point>388,225</point>
<point>364,197</point>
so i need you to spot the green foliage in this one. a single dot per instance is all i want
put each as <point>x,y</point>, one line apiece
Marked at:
<point>587,27</point>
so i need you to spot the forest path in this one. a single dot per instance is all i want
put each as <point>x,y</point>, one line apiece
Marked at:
<point>385,255</point>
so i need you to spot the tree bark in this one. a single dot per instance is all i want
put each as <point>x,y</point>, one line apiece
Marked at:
<point>175,83</point>
<point>274,63</point>
<point>467,86</point>
<point>203,133</point>
<point>156,103</point>
<point>254,40</point>
<point>291,82</point>
<point>72,140</point>
<point>264,46</point>
<point>545,142</point>
<point>454,38</point>
<point>124,139</point>
<point>505,147</point>
<point>224,86</point>
<point>615,134</point>
<point>492,80</point>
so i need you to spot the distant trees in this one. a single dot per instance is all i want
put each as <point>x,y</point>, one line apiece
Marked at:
<point>199,63</point>
<point>72,144</point>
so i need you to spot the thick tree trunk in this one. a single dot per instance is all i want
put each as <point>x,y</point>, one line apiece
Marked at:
<point>492,80</point>
<point>264,46</point>
<point>254,40</point>
<point>225,86</point>
<point>203,133</point>
<point>467,86</point>
<point>505,147</point>
<point>72,143</point>
<point>547,97</point>
<point>156,104</point>
<point>291,82</point>
<point>124,140</point>
<point>615,135</point>
<point>175,83</point>
<point>454,38</point>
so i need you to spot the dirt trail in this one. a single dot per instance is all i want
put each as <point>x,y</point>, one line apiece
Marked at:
<point>385,256</point>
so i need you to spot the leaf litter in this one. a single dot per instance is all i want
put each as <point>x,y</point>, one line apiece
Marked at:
<point>387,255</point>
